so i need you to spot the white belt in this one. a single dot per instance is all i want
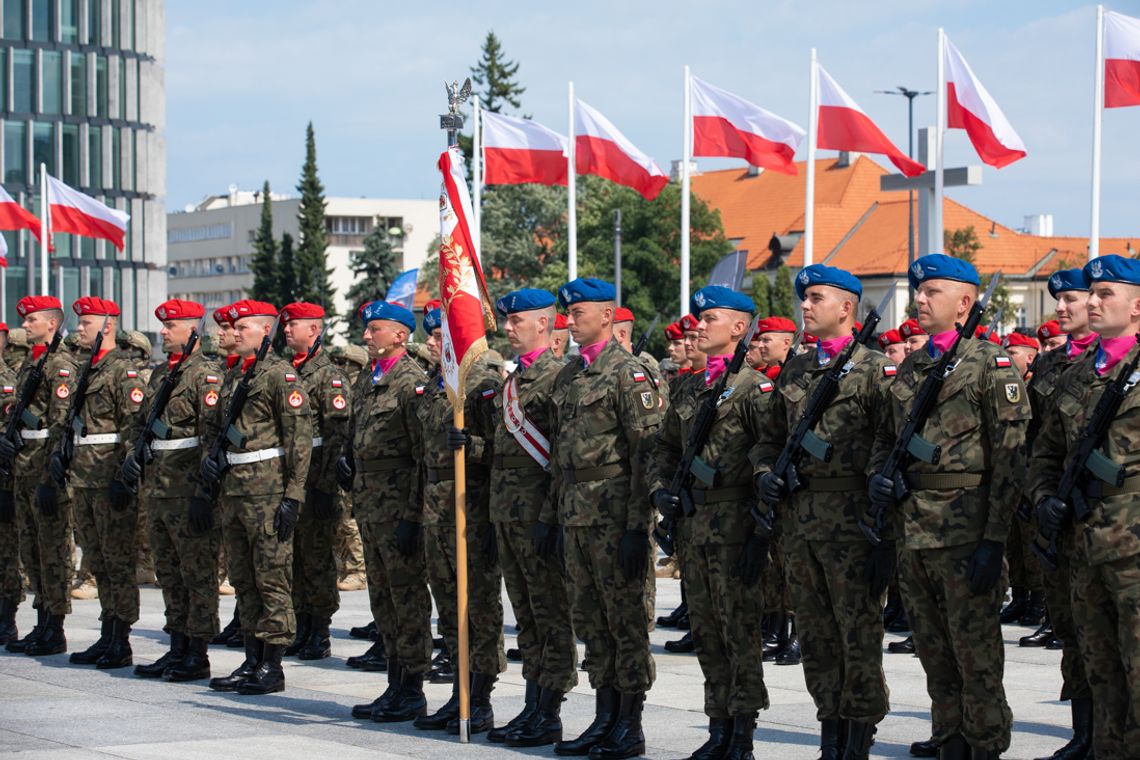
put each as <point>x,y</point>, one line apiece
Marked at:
<point>34,435</point>
<point>98,438</point>
<point>254,456</point>
<point>175,444</point>
<point>318,442</point>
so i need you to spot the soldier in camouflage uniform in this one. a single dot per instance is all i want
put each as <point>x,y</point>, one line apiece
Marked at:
<point>956,518</point>
<point>11,582</point>
<point>43,512</point>
<point>723,553</point>
<point>260,477</point>
<point>137,349</point>
<point>387,499</point>
<point>226,360</point>
<point>835,577</point>
<point>605,411</point>
<point>349,554</point>
<point>16,349</point>
<point>1105,560</point>
<point>315,595</point>
<point>183,534</point>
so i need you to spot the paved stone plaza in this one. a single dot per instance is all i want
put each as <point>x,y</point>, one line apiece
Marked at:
<point>52,710</point>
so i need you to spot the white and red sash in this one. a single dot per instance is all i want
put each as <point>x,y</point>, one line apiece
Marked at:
<point>522,427</point>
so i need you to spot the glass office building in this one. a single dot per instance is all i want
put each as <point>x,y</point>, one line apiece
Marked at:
<point>82,92</point>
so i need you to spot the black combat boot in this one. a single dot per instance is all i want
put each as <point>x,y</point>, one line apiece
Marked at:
<point>901,623</point>
<point>442,668</point>
<point>482,714</point>
<point>779,641</point>
<point>893,607</point>
<point>625,739</point>
<point>91,654</point>
<point>544,726</point>
<point>1081,745</point>
<point>409,702</point>
<point>317,646</point>
<point>366,710</point>
<point>439,719</point>
<point>829,739</point>
<point>118,654</point>
<point>17,646</point>
<point>860,737</point>
<point>8,630</point>
<point>368,632</point>
<point>304,628</point>
<point>683,645</point>
<point>927,748</point>
<point>267,677</point>
<point>1034,609</point>
<point>253,647</point>
<point>233,628</point>
<point>605,715</point>
<point>977,753</point>
<point>740,748</point>
<point>906,646</point>
<point>720,734</point>
<point>194,666</point>
<point>51,641</point>
<point>178,642</point>
<point>674,617</point>
<point>530,707</point>
<point>954,748</point>
<point>1012,612</point>
<point>790,654</point>
<point>374,660</point>
<point>1039,638</point>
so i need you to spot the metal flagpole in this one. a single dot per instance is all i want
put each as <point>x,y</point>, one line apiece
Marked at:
<point>617,254</point>
<point>813,127</point>
<point>936,223</point>
<point>686,159</point>
<point>45,212</point>
<point>571,193</point>
<point>477,173</point>
<point>1098,107</point>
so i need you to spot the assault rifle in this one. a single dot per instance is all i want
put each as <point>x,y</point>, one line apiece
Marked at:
<point>21,419</point>
<point>73,427</point>
<point>645,337</point>
<point>317,343</point>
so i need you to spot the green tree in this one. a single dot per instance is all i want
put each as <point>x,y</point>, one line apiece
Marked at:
<point>373,269</point>
<point>964,244</point>
<point>263,262</point>
<point>495,77</point>
<point>287,271</point>
<point>313,274</point>
<point>762,293</point>
<point>783,295</point>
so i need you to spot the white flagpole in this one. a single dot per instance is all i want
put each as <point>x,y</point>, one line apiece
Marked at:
<point>936,224</point>
<point>45,212</point>
<point>686,159</point>
<point>813,127</point>
<point>571,194</point>
<point>477,175</point>
<point>1098,106</point>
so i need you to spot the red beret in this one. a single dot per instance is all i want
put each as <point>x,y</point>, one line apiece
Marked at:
<point>176,308</point>
<point>910,328</point>
<point>302,310</point>
<point>222,316</point>
<point>775,324</point>
<point>674,332</point>
<point>889,338</point>
<point>809,339</point>
<point>99,307</point>
<point>29,304</point>
<point>1020,339</point>
<point>3,327</point>
<point>246,308</point>
<point>622,314</point>
<point>1050,329</point>
<point>688,323</point>
<point>560,322</point>
<point>993,337</point>
<point>434,303</point>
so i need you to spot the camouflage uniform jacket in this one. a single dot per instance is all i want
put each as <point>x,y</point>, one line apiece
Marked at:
<point>519,487</point>
<point>605,417</point>
<point>1042,386</point>
<point>328,390</point>
<point>834,497</point>
<point>114,403</point>
<point>385,437</point>
<point>8,394</point>
<point>49,405</point>
<point>979,421</point>
<point>1111,532</point>
<point>722,507</point>
<point>276,415</point>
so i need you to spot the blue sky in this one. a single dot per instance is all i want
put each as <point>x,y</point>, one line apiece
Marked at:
<point>244,78</point>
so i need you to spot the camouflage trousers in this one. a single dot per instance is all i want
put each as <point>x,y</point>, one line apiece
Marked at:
<point>1025,569</point>
<point>542,609</point>
<point>46,545</point>
<point>725,617</point>
<point>958,639</point>
<point>398,594</point>
<point>1106,606</point>
<point>1074,680</point>
<point>144,560</point>
<point>314,566</point>
<point>11,583</point>
<point>347,548</point>
<point>484,593</point>
<point>775,579</point>
<point>608,610</point>
<point>840,626</point>
<point>108,538</point>
<point>261,567</point>
<point>186,566</point>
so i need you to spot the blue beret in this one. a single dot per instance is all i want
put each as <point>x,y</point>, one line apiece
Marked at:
<point>1112,268</point>
<point>432,321</point>
<point>585,289</point>
<point>524,299</point>
<point>386,310</point>
<point>1067,279</point>
<point>719,297</point>
<point>820,274</point>
<point>939,266</point>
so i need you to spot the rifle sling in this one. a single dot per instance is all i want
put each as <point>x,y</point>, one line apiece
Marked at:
<point>1098,489</point>
<point>946,481</point>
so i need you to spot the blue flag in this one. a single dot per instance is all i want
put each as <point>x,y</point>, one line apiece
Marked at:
<point>403,289</point>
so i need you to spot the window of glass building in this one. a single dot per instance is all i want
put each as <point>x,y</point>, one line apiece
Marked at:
<point>23,81</point>
<point>43,146</point>
<point>116,159</point>
<point>13,19</point>
<point>95,156</point>
<point>4,77</point>
<point>94,22</point>
<point>78,84</point>
<point>70,134</point>
<point>52,82</point>
<point>15,157</point>
<point>122,114</point>
<point>101,86</point>
<point>133,159</point>
<point>69,21</point>
<point>116,28</point>
<point>128,42</point>
<point>42,11</point>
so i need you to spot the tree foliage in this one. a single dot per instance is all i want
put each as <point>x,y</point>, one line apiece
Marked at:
<point>313,274</point>
<point>783,303</point>
<point>373,269</point>
<point>263,263</point>
<point>964,244</point>
<point>496,77</point>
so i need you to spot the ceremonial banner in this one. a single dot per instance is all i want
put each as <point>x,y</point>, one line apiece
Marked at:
<point>79,214</point>
<point>1121,60</point>
<point>603,150</point>
<point>727,125</point>
<point>971,108</point>
<point>520,151</point>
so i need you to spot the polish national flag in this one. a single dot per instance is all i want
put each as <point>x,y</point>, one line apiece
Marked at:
<point>727,125</point>
<point>1121,60</point>
<point>520,151</point>
<point>844,126</point>
<point>599,148</point>
<point>13,216</point>
<point>3,253</point>
<point>79,214</point>
<point>970,107</point>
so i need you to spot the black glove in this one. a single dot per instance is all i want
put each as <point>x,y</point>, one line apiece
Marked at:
<point>880,568</point>
<point>345,473</point>
<point>752,561</point>
<point>212,469</point>
<point>323,504</point>
<point>666,503</point>
<point>985,566</point>
<point>490,544</point>
<point>771,487</point>
<point>201,515</point>
<point>132,468</point>
<point>1051,516</point>
<point>881,490</point>
<point>633,553</point>
<point>7,450</point>
<point>121,496</point>
<point>285,519</point>
<point>47,499</point>
<point>545,535</point>
<point>408,536</point>
<point>58,468</point>
<point>7,507</point>
<point>456,438</point>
